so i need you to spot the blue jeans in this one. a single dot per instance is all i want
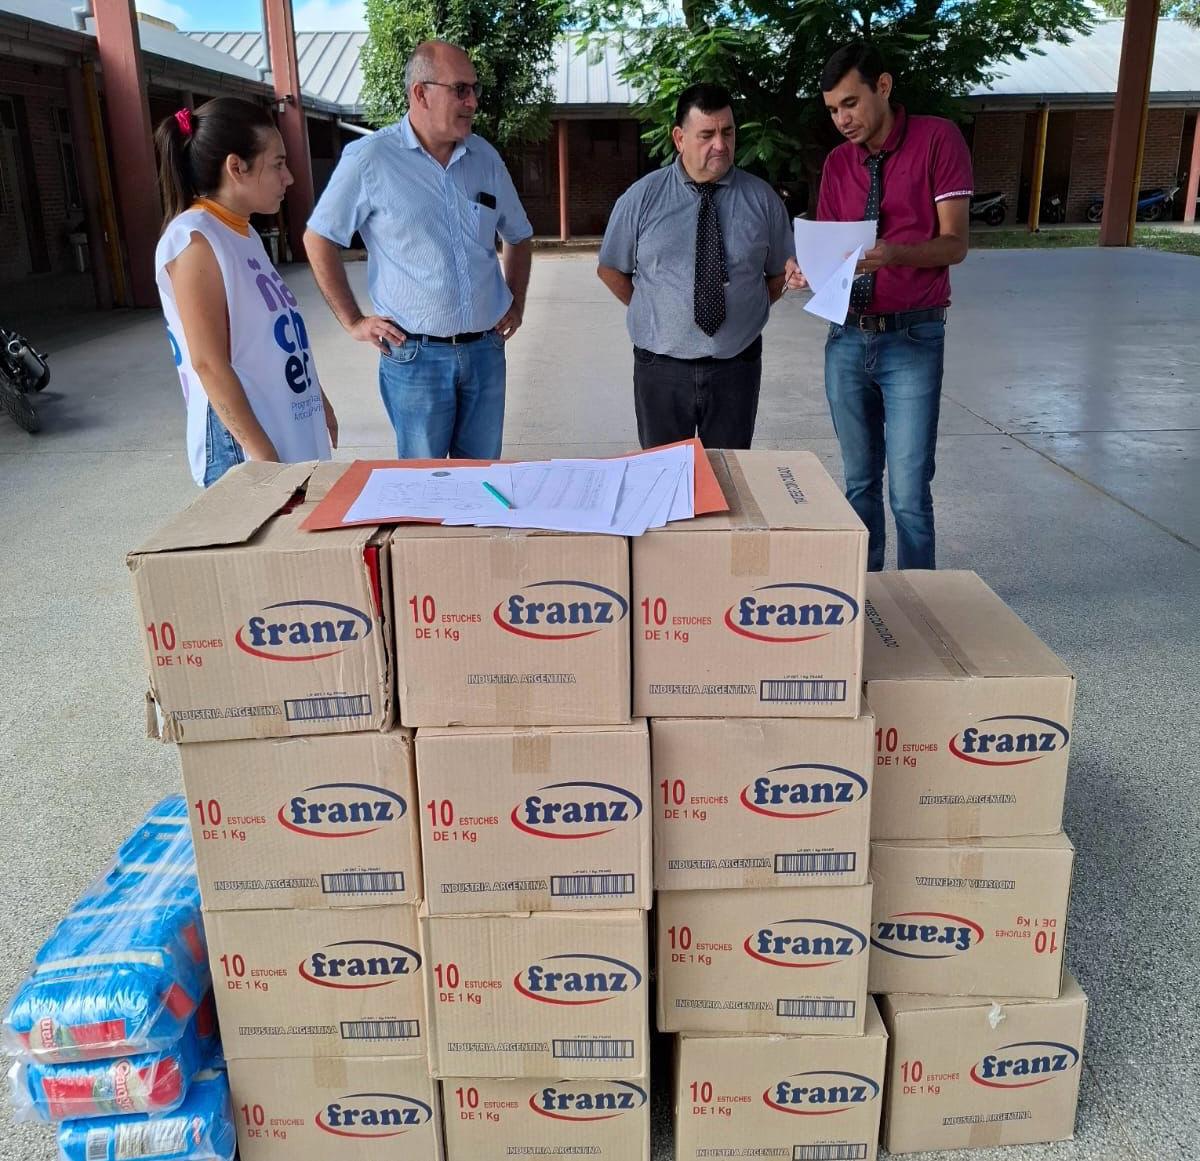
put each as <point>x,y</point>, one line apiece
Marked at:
<point>884,393</point>
<point>221,450</point>
<point>445,399</point>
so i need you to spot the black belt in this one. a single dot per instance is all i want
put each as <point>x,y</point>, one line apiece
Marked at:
<point>878,323</point>
<point>465,337</point>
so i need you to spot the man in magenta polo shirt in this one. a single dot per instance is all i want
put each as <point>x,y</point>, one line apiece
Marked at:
<point>883,368</point>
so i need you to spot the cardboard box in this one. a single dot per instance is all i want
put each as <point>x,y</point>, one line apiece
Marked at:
<point>304,822</point>
<point>972,1074</point>
<point>363,1109</point>
<point>759,803</point>
<point>539,994</point>
<point>790,960</point>
<point>973,713</point>
<point>503,627</point>
<point>798,1098</point>
<point>970,918</point>
<point>346,982</point>
<point>552,818</point>
<point>255,629</point>
<point>492,1120</point>
<point>756,612</point>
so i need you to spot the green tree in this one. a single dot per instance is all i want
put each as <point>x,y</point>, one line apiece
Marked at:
<point>1188,10</point>
<point>510,42</point>
<point>769,54</point>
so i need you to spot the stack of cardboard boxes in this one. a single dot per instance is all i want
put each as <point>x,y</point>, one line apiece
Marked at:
<point>513,662</point>
<point>269,658</point>
<point>972,872</point>
<point>748,660</point>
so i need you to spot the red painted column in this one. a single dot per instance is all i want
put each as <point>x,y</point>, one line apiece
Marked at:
<point>1129,123</point>
<point>293,126</point>
<point>564,181</point>
<point>1193,185</point>
<point>132,142</point>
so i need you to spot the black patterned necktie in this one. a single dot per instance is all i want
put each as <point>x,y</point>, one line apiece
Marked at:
<point>708,301</point>
<point>864,286</point>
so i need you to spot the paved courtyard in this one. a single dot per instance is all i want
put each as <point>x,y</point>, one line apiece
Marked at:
<point>1067,476</point>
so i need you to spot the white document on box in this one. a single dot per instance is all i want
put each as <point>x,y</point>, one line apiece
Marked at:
<point>674,460</point>
<point>823,252</point>
<point>429,493</point>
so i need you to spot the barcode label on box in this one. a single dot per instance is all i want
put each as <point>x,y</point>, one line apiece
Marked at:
<point>591,885</point>
<point>363,883</point>
<point>829,1152</point>
<point>802,690</point>
<point>96,1145</point>
<point>313,709</point>
<point>381,1029</point>
<point>593,1049</point>
<point>825,863</point>
<point>817,1009</point>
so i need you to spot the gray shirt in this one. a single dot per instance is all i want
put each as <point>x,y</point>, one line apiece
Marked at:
<point>652,236</point>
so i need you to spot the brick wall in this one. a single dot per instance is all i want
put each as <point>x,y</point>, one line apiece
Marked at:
<point>42,88</point>
<point>1089,156</point>
<point>998,142</point>
<point>604,163</point>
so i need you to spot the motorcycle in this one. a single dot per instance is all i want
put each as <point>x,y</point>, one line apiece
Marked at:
<point>990,207</point>
<point>1053,210</point>
<point>23,371</point>
<point>1152,205</point>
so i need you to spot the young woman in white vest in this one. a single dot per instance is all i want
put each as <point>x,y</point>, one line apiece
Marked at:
<point>240,345</point>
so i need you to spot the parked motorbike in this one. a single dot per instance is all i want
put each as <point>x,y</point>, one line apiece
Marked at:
<point>990,207</point>
<point>1152,205</point>
<point>1054,209</point>
<point>23,371</point>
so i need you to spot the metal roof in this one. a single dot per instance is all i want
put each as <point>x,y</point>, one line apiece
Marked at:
<point>1086,70</point>
<point>589,77</point>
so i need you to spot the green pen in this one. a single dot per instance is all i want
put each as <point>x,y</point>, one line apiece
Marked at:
<point>495,494</point>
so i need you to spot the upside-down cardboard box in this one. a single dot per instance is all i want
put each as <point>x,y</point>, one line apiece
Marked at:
<point>756,612</point>
<point>254,628</point>
<point>973,713</point>
<point>326,821</point>
<point>975,1073</point>
<point>549,818</point>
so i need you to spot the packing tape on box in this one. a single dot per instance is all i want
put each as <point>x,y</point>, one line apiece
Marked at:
<point>986,1136</point>
<point>531,753</point>
<point>750,541</point>
<point>328,1072</point>
<point>950,651</point>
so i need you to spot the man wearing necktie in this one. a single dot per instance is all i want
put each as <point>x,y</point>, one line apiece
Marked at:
<point>883,367</point>
<point>697,252</point>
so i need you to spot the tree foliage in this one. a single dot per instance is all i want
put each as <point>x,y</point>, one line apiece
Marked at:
<point>769,53</point>
<point>1188,10</point>
<point>510,43</point>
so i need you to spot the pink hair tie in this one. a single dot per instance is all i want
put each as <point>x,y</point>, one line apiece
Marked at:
<point>184,118</point>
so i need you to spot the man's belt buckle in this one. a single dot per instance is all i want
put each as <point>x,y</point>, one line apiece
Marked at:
<point>872,323</point>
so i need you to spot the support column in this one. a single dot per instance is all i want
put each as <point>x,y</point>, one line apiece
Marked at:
<point>89,188</point>
<point>1193,185</point>
<point>108,205</point>
<point>293,126</point>
<point>132,142</point>
<point>1039,169</point>
<point>1130,114</point>
<point>564,181</point>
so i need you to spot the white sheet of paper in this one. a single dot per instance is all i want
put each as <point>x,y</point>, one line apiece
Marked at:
<point>823,247</point>
<point>430,493</point>
<point>832,301</point>
<point>673,460</point>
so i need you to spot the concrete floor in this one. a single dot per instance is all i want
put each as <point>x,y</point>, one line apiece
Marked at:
<point>1067,477</point>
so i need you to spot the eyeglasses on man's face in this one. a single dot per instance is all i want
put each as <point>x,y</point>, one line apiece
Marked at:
<point>461,89</point>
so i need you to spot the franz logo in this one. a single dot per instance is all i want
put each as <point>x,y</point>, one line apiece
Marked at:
<point>560,610</point>
<point>1009,740</point>
<point>357,964</point>
<point>926,935</point>
<point>596,1100</point>
<point>804,943</point>
<point>303,631</point>
<point>579,810</point>
<point>1025,1064</point>
<point>372,1115</point>
<point>341,810</point>
<point>577,979</point>
<point>820,1093</point>
<point>812,612</point>
<point>805,790</point>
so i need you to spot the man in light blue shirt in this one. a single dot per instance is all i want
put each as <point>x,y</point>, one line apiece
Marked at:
<point>428,197</point>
